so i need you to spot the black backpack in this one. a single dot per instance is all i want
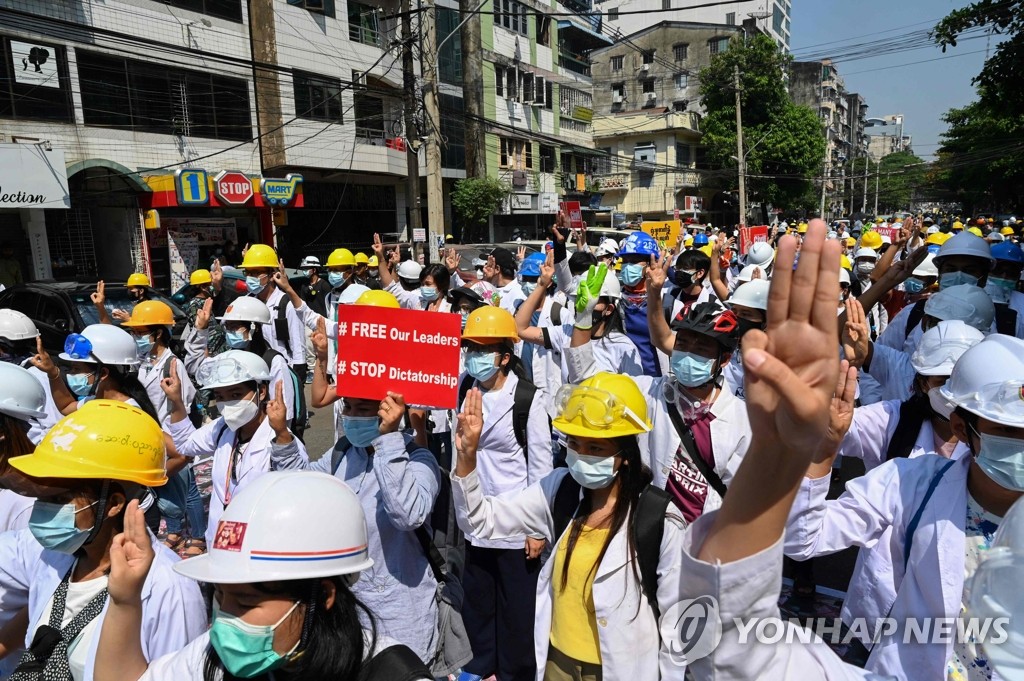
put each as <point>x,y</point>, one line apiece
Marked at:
<point>521,401</point>
<point>648,529</point>
<point>397,663</point>
<point>281,324</point>
<point>298,423</point>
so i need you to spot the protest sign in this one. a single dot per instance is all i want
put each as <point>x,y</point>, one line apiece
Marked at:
<point>572,210</point>
<point>751,235</point>
<point>411,352</point>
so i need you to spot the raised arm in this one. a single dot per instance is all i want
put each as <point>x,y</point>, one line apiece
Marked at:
<point>715,273</point>
<point>62,397</point>
<point>98,298</point>
<point>661,334</point>
<point>524,314</point>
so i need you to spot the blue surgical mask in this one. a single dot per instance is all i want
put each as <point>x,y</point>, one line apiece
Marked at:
<point>956,279</point>
<point>1002,459</point>
<point>361,431</point>
<point>691,370</point>
<point>254,286</point>
<point>480,365</point>
<point>913,286</point>
<point>79,384</point>
<point>632,273</point>
<point>335,279</point>
<point>429,293</point>
<point>53,526</point>
<point>592,472</point>
<point>247,650</point>
<point>144,345</point>
<point>1000,290</point>
<point>465,315</point>
<point>529,287</point>
<point>236,340</point>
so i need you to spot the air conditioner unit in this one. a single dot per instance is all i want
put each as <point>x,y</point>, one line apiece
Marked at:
<point>644,68</point>
<point>618,99</point>
<point>651,96</point>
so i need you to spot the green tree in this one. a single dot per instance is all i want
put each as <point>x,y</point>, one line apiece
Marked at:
<point>785,142</point>
<point>900,179</point>
<point>475,199</point>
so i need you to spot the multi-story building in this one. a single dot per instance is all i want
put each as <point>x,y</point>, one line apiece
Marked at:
<point>772,17</point>
<point>886,135</point>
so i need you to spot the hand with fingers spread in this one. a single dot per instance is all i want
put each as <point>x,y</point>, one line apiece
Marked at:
<point>120,315</point>
<point>131,556</point>
<point>467,433</point>
<point>42,361</point>
<point>277,414</point>
<point>657,272</point>
<point>392,409</point>
<point>394,257</point>
<point>204,314</point>
<point>216,274</point>
<point>856,339</point>
<point>451,260</point>
<point>521,254</point>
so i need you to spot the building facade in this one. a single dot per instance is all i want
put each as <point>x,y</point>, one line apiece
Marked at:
<point>887,135</point>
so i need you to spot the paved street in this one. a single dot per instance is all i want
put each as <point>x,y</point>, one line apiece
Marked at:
<point>320,435</point>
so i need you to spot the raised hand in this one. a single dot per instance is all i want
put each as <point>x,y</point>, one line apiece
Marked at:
<point>490,268</point>
<point>901,271</point>
<point>216,274</point>
<point>657,271</point>
<point>245,250</point>
<point>856,340</point>
<point>841,409</point>
<point>756,274</point>
<point>131,556</point>
<point>452,259</point>
<point>521,254</point>
<point>557,235</point>
<point>378,247</point>
<point>172,385</point>
<point>547,270</point>
<point>120,315</point>
<point>281,278</point>
<point>98,297</point>
<point>204,314</point>
<point>319,339</point>
<point>587,295</point>
<point>42,360</point>
<point>277,411</point>
<point>392,409</point>
<point>470,426</point>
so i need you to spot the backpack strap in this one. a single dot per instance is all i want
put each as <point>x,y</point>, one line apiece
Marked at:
<point>397,663</point>
<point>1006,320</point>
<point>913,413</point>
<point>908,542</point>
<point>648,530</point>
<point>298,393</point>
<point>556,313</point>
<point>563,508</point>
<point>690,446</point>
<point>521,401</point>
<point>914,318</point>
<point>338,453</point>
<point>281,324</point>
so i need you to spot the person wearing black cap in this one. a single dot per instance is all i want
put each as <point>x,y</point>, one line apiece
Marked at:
<point>500,272</point>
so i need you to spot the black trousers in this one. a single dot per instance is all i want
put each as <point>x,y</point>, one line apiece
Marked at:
<point>501,596</point>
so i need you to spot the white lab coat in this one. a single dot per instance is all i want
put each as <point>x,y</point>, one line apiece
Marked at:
<point>217,439</point>
<point>893,372</point>
<point>195,349</point>
<point>933,583</point>
<point>748,590</point>
<point>501,465</point>
<point>630,644</point>
<point>296,330</point>
<point>150,375</point>
<point>40,427</point>
<point>615,353</point>
<point>173,610</point>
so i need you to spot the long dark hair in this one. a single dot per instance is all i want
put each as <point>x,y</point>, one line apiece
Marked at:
<point>127,381</point>
<point>633,478</point>
<point>332,639</point>
<point>15,439</point>
<point>439,273</point>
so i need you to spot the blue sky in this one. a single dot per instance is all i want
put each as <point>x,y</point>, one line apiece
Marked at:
<point>922,92</point>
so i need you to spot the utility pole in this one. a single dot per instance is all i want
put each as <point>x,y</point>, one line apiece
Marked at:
<point>824,180</point>
<point>867,164</point>
<point>412,184</point>
<point>740,156</point>
<point>473,89</point>
<point>878,175</point>
<point>435,186</point>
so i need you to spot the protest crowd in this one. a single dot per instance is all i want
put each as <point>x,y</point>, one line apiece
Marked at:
<point>538,472</point>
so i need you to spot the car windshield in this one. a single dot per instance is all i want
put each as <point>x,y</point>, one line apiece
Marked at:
<point>116,299</point>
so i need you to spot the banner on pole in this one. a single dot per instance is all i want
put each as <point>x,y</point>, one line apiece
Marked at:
<point>411,352</point>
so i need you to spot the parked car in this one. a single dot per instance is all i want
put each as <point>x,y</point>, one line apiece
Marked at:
<point>60,308</point>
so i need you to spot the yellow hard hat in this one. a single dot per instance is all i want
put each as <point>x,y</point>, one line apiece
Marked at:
<point>851,242</point>
<point>260,256</point>
<point>958,225</point>
<point>373,262</point>
<point>604,406</point>
<point>151,313</point>
<point>706,250</point>
<point>845,262</point>
<point>618,265</point>
<point>341,257</point>
<point>200,277</point>
<point>101,440</point>
<point>879,221</point>
<point>936,239</point>
<point>489,323</point>
<point>1006,231</point>
<point>374,298</point>
<point>361,259</point>
<point>137,279</point>
<point>975,231</point>
<point>448,237</point>
<point>688,241</point>
<point>801,228</point>
<point>872,240</point>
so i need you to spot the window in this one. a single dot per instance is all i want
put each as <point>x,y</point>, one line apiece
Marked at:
<point>613,14</point>
<point>666,4</point>
<point>718,45</point>
<point>224,9</point>
<point>680,106</point>
<point>679,51</point>
<point>730,19</point>
<point>516,154</point>
<point>325,7</point>
<point>512,84</point>
<point>363,26</point>
<point>778,19</point>
<point>150,97</point>
<point>538,90</point>
<point>449,57</point>
<point>548,98</point>
<point>543,30</point>
<point>511,15</point>
<point>317,97</point>
<point>453,152</point>
<point>683,158</point>
<point>572,101</point>
<point>34,80</point>
<point>369,116</point>
<point>547,159</point>
<point>648,85</point>
<point>527,88</point>
<point>499,80</point>
<point>648,56</point>
<point>618,93</point>
<point>616,63</point>
<point>681,80</point>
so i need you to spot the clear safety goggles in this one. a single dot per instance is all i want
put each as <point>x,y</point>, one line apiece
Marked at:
<point>596,407</point>
<point>937,359</point>
<point>999,402</point>
<point>77,346</point>
<point>948,307</point>
<point>223,371</point>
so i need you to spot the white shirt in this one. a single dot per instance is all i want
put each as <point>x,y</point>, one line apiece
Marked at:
<point>151,373</point>
<point>39,427</point>
<point>79,595</point>
<point>296,332</point>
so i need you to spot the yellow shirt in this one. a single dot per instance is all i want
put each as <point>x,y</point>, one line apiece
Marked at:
<point>573,622</point>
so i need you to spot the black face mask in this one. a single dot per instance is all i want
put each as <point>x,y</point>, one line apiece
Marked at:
<point>682,279</point>
<point>745,325</point>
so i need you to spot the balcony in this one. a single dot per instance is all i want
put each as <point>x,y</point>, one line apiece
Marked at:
<point>577,63</point>
<point>611,181</point>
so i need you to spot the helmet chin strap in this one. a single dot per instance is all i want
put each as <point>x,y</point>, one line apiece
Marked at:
<point>101,512</point>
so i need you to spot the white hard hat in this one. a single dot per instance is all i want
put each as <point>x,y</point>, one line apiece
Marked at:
<point>995,236</point>
<point>942,345</point>
<point>266,533</point>
<point>310,261</point>
<point>608,246</point>
<point>747,273</point>
<point>101,344</point>
<point>247,309</point>
<point>16,325</point>
<point>844,276</point>
<point>934,229</point>
<point>23,396</point>
<point>964,243</point>
<point>409,269</point>
<point>351,294</point>
<point>231,368</point>
<point>866,253</point>
<point>611,288</point>
<point>971,385</point>
<point>965,302</point>
<point>760,254</point>
<point>753,294</point>
<point>927,267</point>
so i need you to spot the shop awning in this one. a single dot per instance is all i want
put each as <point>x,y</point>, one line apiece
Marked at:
<point>583,38</point>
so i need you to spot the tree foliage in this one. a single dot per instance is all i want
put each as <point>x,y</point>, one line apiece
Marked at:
<point>898,179</point>
<point>475,199</point>
<point>784,142</point>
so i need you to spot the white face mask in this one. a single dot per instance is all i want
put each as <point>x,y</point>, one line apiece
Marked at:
<point>237,413</point>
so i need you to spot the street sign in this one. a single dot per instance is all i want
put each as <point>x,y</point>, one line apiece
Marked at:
<point>192,186</point>
<point>233,188</point>
<point>419,235</point>
<point>281,192</point>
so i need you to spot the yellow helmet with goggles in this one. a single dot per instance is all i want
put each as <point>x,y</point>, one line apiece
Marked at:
<point>604,406</point>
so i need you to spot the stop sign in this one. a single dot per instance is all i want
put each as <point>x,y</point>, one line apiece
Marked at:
<point>233,188</point>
